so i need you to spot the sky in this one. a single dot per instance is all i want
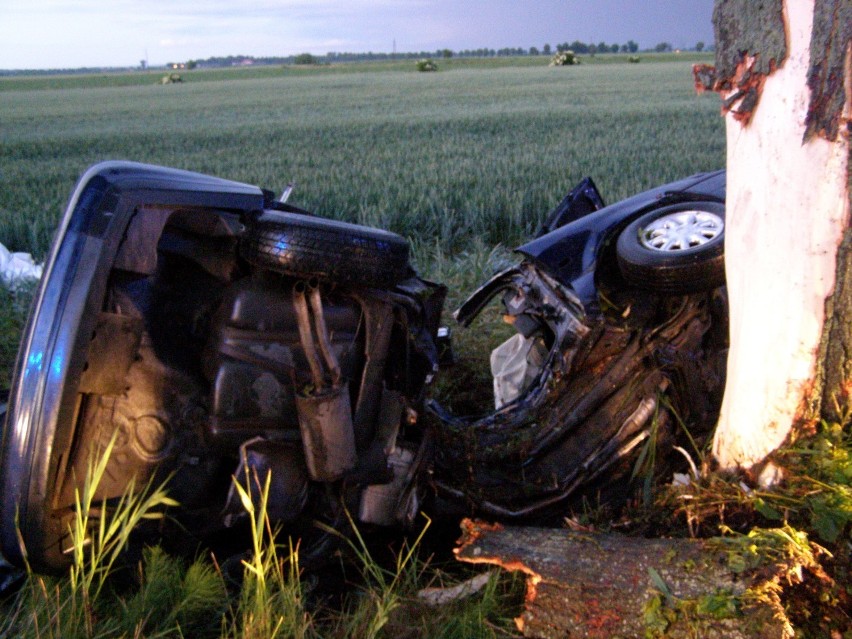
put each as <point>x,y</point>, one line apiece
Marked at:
<point>53,34</point>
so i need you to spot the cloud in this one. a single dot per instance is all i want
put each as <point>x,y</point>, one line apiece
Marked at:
<point>67,33</point>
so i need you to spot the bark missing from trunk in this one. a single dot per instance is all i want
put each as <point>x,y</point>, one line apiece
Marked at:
<point>831,46</point>
<point>600,585</point>
<point>751,42</point>
<point>788,209</point>
<point>704,76</point>
<point>468,552</point>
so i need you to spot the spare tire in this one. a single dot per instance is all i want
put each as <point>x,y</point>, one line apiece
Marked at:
<point>307,246</point>
<point>675,249</point>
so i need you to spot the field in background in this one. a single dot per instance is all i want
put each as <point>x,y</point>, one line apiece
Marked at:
<point>17,81</point>
<point>460,161</point>
<point>480,149</point>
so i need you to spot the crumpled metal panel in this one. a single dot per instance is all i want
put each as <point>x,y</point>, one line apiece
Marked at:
<point>597,400</point>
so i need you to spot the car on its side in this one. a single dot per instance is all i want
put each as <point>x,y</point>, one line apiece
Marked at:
<point>207,330</point>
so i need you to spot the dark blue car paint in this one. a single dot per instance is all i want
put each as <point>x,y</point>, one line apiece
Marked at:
<point>51,356</point>
<point>570,253</point>
<point>44,398</point>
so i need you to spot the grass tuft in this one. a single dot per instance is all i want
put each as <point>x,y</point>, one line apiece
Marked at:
<point>15,303</point>
<point>271,603</point>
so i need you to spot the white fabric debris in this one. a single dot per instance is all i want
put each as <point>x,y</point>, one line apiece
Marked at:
<point>17,267</point>
<point>514,365</point>
<point>681,480</point>
<point>443,596</point>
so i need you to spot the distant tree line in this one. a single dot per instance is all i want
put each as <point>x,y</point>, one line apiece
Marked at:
<point>60,71</point>
<point>602,47</point>
<point>578,47</point>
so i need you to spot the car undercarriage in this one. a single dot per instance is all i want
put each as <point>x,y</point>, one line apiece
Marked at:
<point>212,334</point>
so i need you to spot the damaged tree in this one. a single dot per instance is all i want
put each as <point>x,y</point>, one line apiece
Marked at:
<point>608,585</point>
<point>783,70</point>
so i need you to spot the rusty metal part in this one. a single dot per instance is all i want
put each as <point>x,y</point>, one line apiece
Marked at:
<point>303,321</point>
<point>115,342</point>
<point>328,439</point>
<point>322,332</point>
<point>325,414</point>
<point>378,323</point>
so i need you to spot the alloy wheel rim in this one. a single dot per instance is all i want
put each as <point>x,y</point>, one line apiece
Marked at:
<point>681,230</point>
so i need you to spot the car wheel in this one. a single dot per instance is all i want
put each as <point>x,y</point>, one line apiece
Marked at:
<point>677,249</point>
<point>306,246</point>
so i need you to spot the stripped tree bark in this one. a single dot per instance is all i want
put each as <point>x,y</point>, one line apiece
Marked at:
<point>608,586</point>
<point>783,70</point>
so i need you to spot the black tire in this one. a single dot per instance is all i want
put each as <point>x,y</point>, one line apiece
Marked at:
<point>306,246</point>
<point>677,249</point>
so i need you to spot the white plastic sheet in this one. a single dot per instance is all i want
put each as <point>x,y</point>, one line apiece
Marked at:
<point>514,366</point>
<point>16,268</point>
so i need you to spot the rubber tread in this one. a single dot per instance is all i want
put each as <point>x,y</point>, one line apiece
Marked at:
<point>677,272</point>
<point>307,246</point>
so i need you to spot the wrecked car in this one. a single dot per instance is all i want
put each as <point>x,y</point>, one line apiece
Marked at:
<point>212,332</point>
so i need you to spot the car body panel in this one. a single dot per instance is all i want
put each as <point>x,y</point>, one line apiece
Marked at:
<point>66,305</point>
<point>570,253</point>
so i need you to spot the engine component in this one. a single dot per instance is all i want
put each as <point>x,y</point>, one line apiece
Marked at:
<point>325,413</point>
<point>254,355</point>
<point>380,503</point>
<point>325,420</point>
<point>288,489</point>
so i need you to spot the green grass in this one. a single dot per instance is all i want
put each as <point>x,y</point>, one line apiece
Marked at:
<point>444,157</point>
<point>165,597</point>
<point>15,305</point>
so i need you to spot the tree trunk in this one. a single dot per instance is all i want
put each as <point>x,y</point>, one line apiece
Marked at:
<point>607,585</point>
<point>783,69</point>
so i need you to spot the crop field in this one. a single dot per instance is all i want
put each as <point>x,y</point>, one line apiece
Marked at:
<point>466,163</point>
<point>473,152</point>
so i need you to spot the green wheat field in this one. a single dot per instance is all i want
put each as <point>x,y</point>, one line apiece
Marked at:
<point>473,151</point>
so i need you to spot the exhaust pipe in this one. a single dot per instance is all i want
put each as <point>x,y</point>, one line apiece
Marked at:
<point>325,413</point>
<point>322,334</point>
